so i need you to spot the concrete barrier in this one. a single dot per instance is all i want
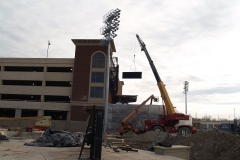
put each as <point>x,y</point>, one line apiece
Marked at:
<point>175,151</point>
<point>3,131</point>
<point>110,140</point>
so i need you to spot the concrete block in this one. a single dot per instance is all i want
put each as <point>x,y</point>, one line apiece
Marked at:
<point>3,131</point>
<point>108,136</point>
<point>110,140</point>
<point>175,151</point>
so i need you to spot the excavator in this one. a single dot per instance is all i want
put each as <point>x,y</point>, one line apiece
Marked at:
<point>126,126</point>
<point>170,121</point>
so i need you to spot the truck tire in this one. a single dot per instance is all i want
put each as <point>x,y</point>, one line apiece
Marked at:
<point>184,132</point>
<point>157,129</point>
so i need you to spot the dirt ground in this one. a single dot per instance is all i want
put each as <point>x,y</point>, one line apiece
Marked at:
<point>205,145</point>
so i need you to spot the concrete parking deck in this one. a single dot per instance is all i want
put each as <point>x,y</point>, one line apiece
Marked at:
<point>14,149</point>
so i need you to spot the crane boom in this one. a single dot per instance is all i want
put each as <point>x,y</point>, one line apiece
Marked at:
<point>161,86</point>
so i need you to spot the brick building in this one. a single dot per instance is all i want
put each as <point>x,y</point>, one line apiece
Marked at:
<point>60,87</point>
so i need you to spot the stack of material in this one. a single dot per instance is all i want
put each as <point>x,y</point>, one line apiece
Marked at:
<point>117,112</point>
<point>56,139</point>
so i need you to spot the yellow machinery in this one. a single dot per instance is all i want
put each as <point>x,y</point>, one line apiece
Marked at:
<point>42,123</point>
<point>125,125</point>
<point>45,121</point>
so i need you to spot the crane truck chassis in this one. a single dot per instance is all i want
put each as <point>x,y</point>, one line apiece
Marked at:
<point>170,121</point>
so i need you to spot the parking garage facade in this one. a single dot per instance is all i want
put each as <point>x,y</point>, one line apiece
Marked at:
<point>29,87</point>
<point>60,87</point>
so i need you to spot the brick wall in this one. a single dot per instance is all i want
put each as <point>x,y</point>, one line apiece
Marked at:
<point>81,72</point>
<point>81,75</point>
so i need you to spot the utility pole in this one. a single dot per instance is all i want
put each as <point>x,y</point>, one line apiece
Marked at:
<point>234,113</point>
<point>186,84</point>
<point>108,30</point>
<point>206,122</point>
<point>48,47</point>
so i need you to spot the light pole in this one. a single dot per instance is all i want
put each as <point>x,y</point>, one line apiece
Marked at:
<point>206,122</point>
<point>48,47</point>
<point>186,84</point>
<point>234,113</point>
<point>108,30</point>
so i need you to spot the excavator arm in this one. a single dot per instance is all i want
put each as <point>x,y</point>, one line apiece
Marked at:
<point>125,125</point>
<point>135,111</point>
<point>161,86</point>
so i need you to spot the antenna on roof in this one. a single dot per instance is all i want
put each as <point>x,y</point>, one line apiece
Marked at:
<point>48,47</point>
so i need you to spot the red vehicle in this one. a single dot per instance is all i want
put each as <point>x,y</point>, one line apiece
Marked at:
<point>42,124</point>
<point>126,126</point>
<point>170,121</point>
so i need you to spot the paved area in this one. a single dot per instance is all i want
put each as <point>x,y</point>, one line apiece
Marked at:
<point>14,149</point>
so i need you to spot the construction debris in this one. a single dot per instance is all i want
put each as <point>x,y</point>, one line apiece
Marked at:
<point>57,139</point>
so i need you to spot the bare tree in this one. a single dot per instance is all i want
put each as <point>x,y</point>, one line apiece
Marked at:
<point>214,119</point>
<point>223,119</point>
<point>206,118</point>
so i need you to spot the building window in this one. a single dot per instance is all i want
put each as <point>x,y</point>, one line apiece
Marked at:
<point>96,92</point>
<point>23,69</point>
<point>58,99</point>
<point>59,83</point>
<point>59,69</point>
<point>97,77</point>
<point>7,112</point>
<point>22,82</point>
<point>29,113</point>
<point>56,115</point>
<point>21,97</point>
<point>98,60</point>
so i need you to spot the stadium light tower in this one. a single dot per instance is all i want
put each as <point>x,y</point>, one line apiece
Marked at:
<point>186,84</point>
<point>111,20</point>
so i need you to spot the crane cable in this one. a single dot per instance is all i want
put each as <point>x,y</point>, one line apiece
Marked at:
<point>133,62</point>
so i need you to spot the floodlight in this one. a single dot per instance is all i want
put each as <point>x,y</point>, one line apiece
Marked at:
<point>111,24</point>
<point>108,31</point>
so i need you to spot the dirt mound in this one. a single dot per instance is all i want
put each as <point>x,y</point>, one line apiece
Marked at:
<point>209,145</point>
<point>142,141</point>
